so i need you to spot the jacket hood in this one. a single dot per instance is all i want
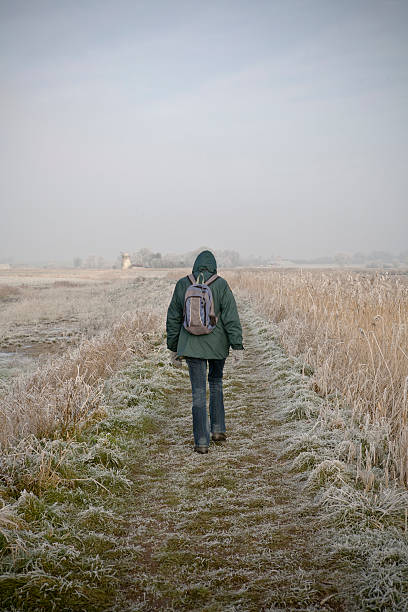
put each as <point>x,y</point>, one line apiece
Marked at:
<point>206,263</point>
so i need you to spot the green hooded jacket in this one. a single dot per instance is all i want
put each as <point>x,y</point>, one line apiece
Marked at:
<point>228,330</point>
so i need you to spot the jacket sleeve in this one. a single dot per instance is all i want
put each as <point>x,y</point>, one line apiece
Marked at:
<point>174,319</point>
<point>230,319</point>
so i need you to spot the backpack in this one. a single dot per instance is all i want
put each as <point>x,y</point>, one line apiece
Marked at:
<point>198,313</point>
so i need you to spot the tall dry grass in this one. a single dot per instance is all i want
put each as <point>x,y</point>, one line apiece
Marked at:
<point>352,328</point>
<point>64,394</point>
<point>112,321</point>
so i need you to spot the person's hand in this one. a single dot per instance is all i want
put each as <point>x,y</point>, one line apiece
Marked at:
<point>237,356</point>
<point>174,360</point>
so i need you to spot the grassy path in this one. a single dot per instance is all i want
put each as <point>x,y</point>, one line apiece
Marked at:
<point>231,530</point>
<point>124,516</point>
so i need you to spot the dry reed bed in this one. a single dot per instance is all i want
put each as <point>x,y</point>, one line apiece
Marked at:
<point>115,321</point>
<point>61,396</point>
<point>352,329</point>
<point>91,306</point>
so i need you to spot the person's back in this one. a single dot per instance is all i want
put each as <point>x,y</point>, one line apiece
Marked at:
<point>198,349</point>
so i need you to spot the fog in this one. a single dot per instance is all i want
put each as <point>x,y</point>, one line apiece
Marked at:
<point>276,127</point>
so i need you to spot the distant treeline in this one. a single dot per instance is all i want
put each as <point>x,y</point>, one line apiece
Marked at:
<point>150,259</point>
<point>226,259</point>
<point>231,259</point>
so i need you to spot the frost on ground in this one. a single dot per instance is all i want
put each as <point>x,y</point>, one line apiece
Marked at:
<point>47,315</point>
<point>125,516</point>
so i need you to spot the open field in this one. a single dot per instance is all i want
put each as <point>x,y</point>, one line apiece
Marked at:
<point>103,505</point>
<point>45,312</point>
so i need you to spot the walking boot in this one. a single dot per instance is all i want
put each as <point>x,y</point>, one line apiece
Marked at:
<point>201,449</point>
<point>218,437</point>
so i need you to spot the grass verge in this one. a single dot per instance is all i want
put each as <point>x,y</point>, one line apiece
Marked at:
<point>66,503</point>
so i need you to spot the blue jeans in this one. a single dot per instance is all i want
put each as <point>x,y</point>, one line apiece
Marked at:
<point>198,371</point>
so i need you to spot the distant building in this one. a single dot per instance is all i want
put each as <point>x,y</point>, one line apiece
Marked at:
<point>4,266</point>
<point>126,263</point>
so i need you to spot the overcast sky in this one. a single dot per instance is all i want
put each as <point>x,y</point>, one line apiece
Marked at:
<point>269,127</point>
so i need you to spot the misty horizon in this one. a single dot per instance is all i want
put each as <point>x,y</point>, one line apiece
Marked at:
<point>270,128</point>
<point>146,257</point>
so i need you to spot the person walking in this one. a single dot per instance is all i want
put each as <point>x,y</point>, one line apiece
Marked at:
<point>209,341</point>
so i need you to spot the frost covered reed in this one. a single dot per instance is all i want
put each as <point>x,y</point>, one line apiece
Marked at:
<point>351,329</point>
<point>65,393</point>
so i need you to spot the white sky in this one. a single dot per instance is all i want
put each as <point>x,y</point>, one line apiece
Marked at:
<point>269,127</point>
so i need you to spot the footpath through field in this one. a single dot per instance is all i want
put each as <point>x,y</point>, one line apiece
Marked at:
<point>234,529</point>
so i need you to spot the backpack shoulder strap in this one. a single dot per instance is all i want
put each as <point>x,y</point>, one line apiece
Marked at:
<point>212,279</point>
<point>191,279</point>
